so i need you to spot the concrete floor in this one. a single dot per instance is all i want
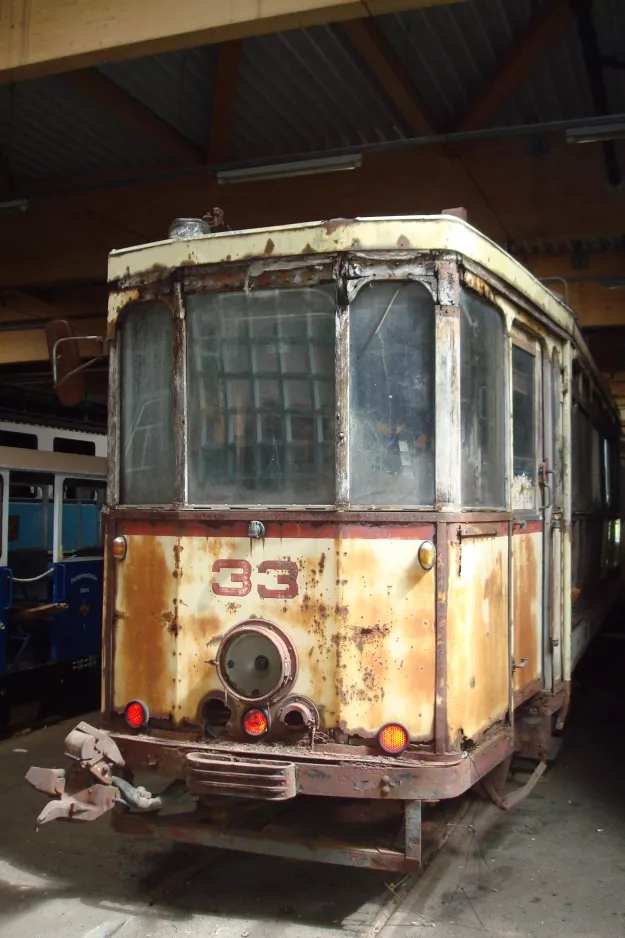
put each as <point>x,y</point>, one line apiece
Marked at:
<point>553,867</point>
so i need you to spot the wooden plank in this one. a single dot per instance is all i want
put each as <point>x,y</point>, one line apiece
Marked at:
<point>391,73</point>
<point>106,94</point>
<point>42,37</point>
<point>29,345</point>
<point>224,94</point>
<point>547,23</point>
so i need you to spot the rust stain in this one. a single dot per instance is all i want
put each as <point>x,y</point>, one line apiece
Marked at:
<point>527,606</point>
<point>145,628</point>
<point>334,224</point>
<point>177,571</point>
<point>269,247</point>
<point>477,636</point>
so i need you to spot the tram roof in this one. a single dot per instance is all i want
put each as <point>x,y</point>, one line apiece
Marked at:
<point>399,233</point>
<point>386,235</point>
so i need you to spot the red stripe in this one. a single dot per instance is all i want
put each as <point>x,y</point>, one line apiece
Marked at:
<point>276,529</point>
<point>531,527</point>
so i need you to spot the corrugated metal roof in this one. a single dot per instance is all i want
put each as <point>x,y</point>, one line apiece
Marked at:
<point>309,89</point>
<point>46,128</point>
<point>450,50</point>
<point>549,246</point>
<point>306,89</point>
<point>177,86</point>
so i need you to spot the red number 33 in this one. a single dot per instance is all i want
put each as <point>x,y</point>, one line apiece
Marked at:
<point>241,582</point>
<point>242,577</point>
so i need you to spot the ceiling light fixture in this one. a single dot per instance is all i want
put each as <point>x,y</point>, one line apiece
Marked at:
<point>13,206</point>
<point>597,133</point>
<point>330,164</point>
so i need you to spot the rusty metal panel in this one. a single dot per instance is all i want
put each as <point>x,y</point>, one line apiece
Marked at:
<point>387,649</point>
<point>145,661</point>
<point>478,661</point>
<point>527,551</point>
<point>359,610</point>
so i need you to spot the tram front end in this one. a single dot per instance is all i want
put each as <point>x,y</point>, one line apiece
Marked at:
<point>280,552</point>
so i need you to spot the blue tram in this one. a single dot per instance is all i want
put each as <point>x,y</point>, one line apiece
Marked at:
<point>52,491</point>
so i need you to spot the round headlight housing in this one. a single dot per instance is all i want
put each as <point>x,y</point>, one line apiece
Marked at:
<point>256,661</point>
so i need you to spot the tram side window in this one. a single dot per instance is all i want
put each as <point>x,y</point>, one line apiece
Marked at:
<point>587,462</point>
<point>261,422</point>
<point>482,402</point>
<point>81,532</point>
<point>391,373</point>
<point>31,519</point>
<point>147,444</point>
<point>523,428</point>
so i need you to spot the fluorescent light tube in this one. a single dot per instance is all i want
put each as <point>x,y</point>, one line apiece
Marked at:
<point>13,206</point>
<point>596,133</point>
<point>330,164</point>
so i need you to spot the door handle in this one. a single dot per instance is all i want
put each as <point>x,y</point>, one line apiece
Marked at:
<point>547,492</point>
<point>9,580</point>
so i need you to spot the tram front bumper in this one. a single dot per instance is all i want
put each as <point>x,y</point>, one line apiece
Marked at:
<point>97,778</point>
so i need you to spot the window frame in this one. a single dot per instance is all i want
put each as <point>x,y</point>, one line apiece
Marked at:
<point>402,281</point>
<point>266,504</point>
<point>441,275</point>
<point>532,346</point>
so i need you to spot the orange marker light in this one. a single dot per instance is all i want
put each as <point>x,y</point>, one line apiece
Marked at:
<point>119,547</point>
<point>137,714</point>
<point>393,738</point>
<point>255,722</point>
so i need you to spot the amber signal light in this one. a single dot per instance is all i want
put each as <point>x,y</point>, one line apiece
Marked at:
<point>393,738</point>
<point>119,547</point>
<point>255,722</point>
<point>136,714</point>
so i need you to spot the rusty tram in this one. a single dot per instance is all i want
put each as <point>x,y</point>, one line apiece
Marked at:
<point>363,521</point>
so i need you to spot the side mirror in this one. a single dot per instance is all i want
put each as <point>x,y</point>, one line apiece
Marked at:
<point>68,369</point>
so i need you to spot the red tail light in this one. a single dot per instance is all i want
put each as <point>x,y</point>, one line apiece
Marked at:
<point>393,738</point>
<point>136,714</point>
<point>255,722</point>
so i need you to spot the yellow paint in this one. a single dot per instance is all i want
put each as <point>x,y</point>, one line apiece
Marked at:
<point>477,635</point>
<point>362,625</point>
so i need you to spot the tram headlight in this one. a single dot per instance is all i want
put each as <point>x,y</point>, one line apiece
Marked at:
<point>256,661</point>
<point>427,555</point>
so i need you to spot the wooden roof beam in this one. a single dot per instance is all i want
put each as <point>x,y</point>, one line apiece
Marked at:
<point>547,23</point>
<point>391,73</point>
<point>108,95</point>
<point>47,37</point>
<point>224,94</point>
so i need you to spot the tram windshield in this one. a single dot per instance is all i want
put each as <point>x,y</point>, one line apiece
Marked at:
<point>260,382</point>
<point>261,399</point>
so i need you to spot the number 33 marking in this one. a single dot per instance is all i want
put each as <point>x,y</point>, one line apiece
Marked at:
<point>240,583</point>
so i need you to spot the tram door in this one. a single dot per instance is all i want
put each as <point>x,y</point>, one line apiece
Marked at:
<point>552,505</point>
<point>527,546</point>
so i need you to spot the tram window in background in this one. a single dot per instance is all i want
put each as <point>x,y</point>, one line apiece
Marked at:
<point>482,402</point>
<point>81,533</point>
<point>391,373</point>
<point>260,372</point>
<point>523,429</point>
<point>147,439</point>
<point>20,440</point>
<point>69,444</point>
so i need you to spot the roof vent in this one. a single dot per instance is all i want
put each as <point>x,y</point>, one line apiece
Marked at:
<point>184,229</point>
